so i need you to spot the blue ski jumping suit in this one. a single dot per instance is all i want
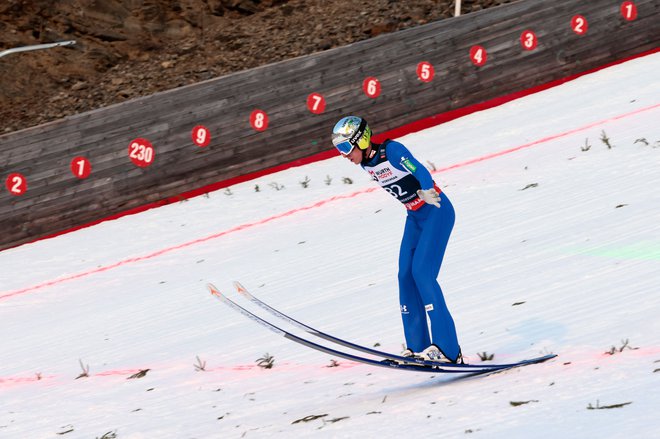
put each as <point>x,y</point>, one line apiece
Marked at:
<point>425,238</point>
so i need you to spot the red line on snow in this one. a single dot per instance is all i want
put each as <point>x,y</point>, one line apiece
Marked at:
<point>33,288</point>
<point>547,139</point>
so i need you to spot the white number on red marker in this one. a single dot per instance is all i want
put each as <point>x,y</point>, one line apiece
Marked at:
<point>371,87</point>
<point>629,10</point>
<point>528,40</point>
<point>16,184</point>
<point>579,25</point>
<point>259,120</point>
<point>141,152</point>
<point>425,71</point>
<point>478,55</point>
<point>316,103</point>
<point>201,136</point>
<point>81,167</point>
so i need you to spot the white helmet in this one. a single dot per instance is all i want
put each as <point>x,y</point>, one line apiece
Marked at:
<point>349,132</point>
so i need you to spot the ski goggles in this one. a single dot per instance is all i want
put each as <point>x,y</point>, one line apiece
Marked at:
<point>345,147</point>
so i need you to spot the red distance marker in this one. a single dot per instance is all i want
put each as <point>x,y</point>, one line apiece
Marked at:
<point>316,103</point>
<point>259,120</point>
<point>478,55</point>
<point>16,184</point>
<point>371,87</point>
<point>629,10</point>
<point>81,167</point>
<point>141,152</point>
<point>579,25</point>
<point>201,136</point>
<point>528,40</point>
<point>425,71</point>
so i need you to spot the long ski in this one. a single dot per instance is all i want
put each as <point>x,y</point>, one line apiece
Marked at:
<point>388,363</point>
<point>393,357</point>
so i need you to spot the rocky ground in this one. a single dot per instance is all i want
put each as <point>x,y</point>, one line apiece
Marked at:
<point>131,48</point>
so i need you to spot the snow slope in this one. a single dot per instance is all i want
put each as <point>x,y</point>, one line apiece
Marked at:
<point>555,249</point>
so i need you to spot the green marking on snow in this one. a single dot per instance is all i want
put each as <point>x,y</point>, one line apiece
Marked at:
<point>645,251</point>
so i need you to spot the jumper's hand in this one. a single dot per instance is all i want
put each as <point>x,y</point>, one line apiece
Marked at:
<point>430,196</point>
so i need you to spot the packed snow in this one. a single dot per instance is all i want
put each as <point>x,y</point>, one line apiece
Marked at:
<point>110,331</point>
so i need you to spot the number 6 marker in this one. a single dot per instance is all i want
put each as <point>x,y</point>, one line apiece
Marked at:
<point>371,87</point>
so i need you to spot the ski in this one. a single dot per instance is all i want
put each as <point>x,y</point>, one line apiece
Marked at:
<point>387,363</point>
<point>389,356</point>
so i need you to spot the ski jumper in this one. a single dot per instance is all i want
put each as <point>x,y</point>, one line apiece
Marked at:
<point>425,238</point>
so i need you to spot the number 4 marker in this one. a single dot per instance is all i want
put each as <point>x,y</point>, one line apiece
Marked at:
<point>478,55</point>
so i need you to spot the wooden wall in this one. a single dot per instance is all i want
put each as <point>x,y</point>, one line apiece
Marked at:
<point>56,200</point>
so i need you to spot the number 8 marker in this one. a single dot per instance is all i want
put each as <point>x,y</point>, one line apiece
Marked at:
<point>259,120</point>
<point>16,184</point>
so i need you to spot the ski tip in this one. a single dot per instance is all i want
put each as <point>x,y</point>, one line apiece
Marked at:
<point>213,289</point>
<point>239,287</point>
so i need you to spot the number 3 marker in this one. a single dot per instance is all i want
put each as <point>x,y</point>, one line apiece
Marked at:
<point>528,40</point>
